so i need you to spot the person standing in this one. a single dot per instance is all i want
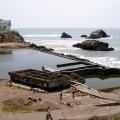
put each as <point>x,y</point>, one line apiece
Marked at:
<point>73,94</point>
<point>61,96</point>
<point>48,116</point>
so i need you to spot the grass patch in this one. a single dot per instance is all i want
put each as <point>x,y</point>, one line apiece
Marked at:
<point>41,110</point>
<point>62,103</point>
<point>1,80</point>
<point>16,105</point>
<point>117,117</point>
<point>108,90</point>
<point>5,52</point>
<point>44,110</point>
<point>22,105</point>
<point>68,92</point>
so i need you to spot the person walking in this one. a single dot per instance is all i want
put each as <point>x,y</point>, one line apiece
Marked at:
<point>48,116</point>
<point>61,96</point>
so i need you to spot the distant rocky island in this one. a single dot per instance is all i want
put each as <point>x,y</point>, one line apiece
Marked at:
<point>93,45</point>
<point>98,34</point>
<point>65,35</point>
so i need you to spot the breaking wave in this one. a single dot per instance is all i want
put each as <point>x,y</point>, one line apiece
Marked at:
<point>53,35</point>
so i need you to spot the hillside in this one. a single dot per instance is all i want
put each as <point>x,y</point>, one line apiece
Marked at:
<point>10,36</point>
<point>11,40</point>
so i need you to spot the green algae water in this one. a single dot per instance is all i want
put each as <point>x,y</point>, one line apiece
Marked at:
<point>100,82</point>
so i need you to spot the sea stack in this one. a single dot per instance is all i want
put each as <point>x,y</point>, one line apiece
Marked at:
<point>94,45</point>
<point>98,34</point>
<point>65,35</point>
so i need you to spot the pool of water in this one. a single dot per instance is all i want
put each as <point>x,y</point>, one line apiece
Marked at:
<point>101,82</point>
<point>30,59</point>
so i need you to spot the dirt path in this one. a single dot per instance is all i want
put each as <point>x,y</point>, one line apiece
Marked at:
<point>13,45</point>
<point>52,99</point>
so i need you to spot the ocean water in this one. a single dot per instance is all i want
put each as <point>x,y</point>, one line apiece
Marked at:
<point>50,37</point>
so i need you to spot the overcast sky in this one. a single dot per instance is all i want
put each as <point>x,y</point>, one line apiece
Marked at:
<point>61,13</point>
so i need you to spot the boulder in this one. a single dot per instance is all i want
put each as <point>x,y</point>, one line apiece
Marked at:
<point>83,36</point>
<point>65,35</point>
<point>98,34</point>
<point>43,48</point>
<point>93,45</point>
<point>32,45</point>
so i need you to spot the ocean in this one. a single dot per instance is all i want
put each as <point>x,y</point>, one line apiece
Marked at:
<point>50,38</point>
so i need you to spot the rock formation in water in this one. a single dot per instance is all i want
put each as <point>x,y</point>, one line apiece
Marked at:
<point>84,36</point>
<point>93,45</point>
<point>65,35</point>
<point>98,34</point>
<point>42,48</point>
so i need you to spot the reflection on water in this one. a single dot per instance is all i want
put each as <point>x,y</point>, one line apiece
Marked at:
<point>100,82</point>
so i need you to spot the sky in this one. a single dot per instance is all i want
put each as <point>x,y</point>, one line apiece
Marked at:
<point>61,13</point>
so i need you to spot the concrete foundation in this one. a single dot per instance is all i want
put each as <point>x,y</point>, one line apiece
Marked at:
<point>40,79</point>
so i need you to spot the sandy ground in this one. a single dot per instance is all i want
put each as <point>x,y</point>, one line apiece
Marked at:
<point>13,45</point>
<point>51,99</point>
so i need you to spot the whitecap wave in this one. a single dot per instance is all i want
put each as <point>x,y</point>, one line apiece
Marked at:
<point>107,61</point>
<point>116,48</point>
<point>53,35</point>
<point>111,37</point>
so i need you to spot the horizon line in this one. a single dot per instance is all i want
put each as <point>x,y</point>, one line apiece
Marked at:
<point>61,28</point>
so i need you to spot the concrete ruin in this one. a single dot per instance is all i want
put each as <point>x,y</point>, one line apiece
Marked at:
<point>87,70</point>
<point>91,69</point>
<point>40,79</point>
<point>50,78</point>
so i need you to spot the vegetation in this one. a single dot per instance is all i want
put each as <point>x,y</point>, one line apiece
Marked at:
<point>23,105</point>
<point>117,117</point>
<point>5,51</point>
<point>102,77</point>
<point>41,110</point>
<point>15,105</point>
<point>1,80</point>
<point>108,90</point>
